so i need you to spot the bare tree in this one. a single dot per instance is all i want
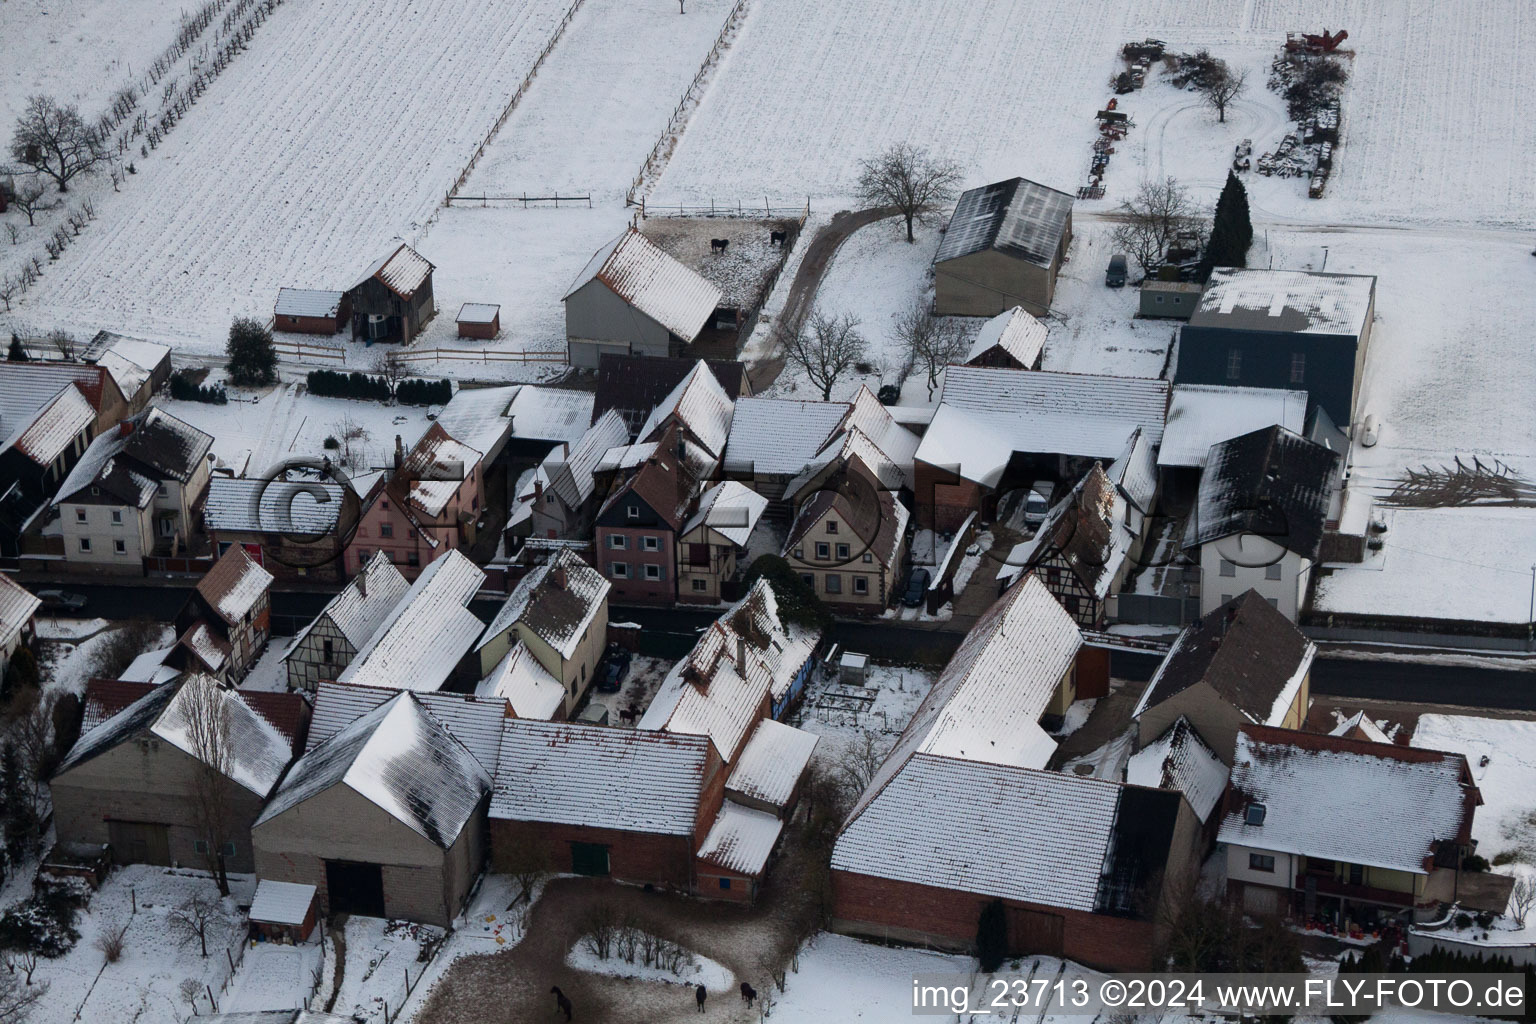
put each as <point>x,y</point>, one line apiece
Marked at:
<point>1152,219</point>
<point>24,960</point>
<point>527,866</point>
<point>17,1001</point>
<point>931,342</point>
<point>193,917</point>
<point>112,939</point>
<point>206,708</point>
<point>1521,899</point>
<point>191,990</point>
<point>1221,86</point>
<point>859,761</point>
<point>13,232</point>
<point>826,349</point>
<point>32,735</point>
<point>391,365</point>
<point>55,140</point>
<point>29,200</point>
<point>350,435</point>
<point>8,288</point>
<point>910,179</point>
<point>63,343</point>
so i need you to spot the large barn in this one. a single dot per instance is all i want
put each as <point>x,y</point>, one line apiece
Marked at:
<point>1003,248</point>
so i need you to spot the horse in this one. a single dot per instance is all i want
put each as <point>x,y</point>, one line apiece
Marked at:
<point>748,993</point>
<point>562,1004</point>
<point>698,995</point>
<point>628,714</point>
<point>778,238</point>
<point>718,244</point>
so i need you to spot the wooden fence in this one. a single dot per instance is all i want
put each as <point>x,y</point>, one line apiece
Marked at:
<point>481,355</point>
<point>525,199</point>
<point>740,208</point>
<point>662,150</point>
<point>301,351</point>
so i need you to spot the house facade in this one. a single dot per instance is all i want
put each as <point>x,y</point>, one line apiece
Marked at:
<point>324,648</point>
<point>226,622</point>
<point>848,542</point>
<point>1004,246</point>
<point>636,526</point>
<point>714,539</point>
<point>427,508</point>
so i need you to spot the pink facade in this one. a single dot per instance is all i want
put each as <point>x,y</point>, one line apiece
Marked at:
<point>640,563</point>
<point>416,539</point>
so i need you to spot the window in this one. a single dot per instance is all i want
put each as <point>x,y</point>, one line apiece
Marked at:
<point>330,650</point>
<point>698,554</point>
<point>1272,571</point>
<point>228,849</point>
<point>1261,862</point>
<point>653,572</point>
<point>619,570</point>
<point>412,559</point>
<point>823,550</point>
<point>386,529</point>
<point>1234,363</point>
<point>633,511</point>
<point>117,517</point>
<point>831,525</point>
<point>799,552</point>
<point>1158,299</point>
<point>1273,603</point>
<point>79,515</point>
<point>85,543</point>
<point>861,584</point>
<point>199,846</point>
<point>650,543</point>
<point>1255,813</point>
<point>384,504</point>
<point>843,553</point>
<point>120,546</point>
<point>1227,568</point>
<point>699,586</point>
<point>834,583</point>
<point>618,541</point>
<point>808,579</point>
<point>1298,367</point>
<point>160,490</point>
<point>549,499</point>
<point>362,531</point>
<point>1225,598</point>
<point>725,883</point>
<point>868,557</point>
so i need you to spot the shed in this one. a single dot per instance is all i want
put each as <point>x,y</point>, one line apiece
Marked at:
<point>393,300</point>
<point>1169,298</point>
<point>1003,248</point>
<point>310,311</point>
<point>283,911</point>
<point>479,320</point>
<point>852,668</point>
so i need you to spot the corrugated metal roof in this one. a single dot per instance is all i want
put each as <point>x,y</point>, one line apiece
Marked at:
<point>281,902</point>
<point>426,633</point>
<point>308,302</point>
<point>741,839</point>
<point>656,284</point>
<point>27,389</point>
<point>549,414</point>
<point>1286,301</point>
<point>1014,331</point>
<point>307,508</point>
<point>772,762</point>
<point>472,720</point>
<point>570,473</point>
<point>478,313</point>
<point>1270,482</point>
<point>1018,217</point>
<point>627,779</point>
<point>1201,415</point>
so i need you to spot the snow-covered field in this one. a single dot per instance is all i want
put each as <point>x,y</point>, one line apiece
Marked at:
<point>321,144</point>
<point>1506,822</point>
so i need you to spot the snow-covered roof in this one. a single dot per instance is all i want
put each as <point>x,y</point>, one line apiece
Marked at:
<point>987,703</point>
<point>1347,800</point>
<point>877,518</point>
<point>127,374</point>
<point>480,417</point>
<point>1245,650</point>
<point>473,720</point>
<point>1202,415</point>
<point>1362,723</point>
<point>1273,483</point>
<point>1018,217</point>
<point>27,390</point>
<point>569,472</point>
<point>1134,474</point>
<point>361,607</point>
<point>478,313</point>
<point>636,270</point>
<point>730,509</point>
<point>135,455</point>
<point>1286,301</point>
<point>521,681</point>
<point>307,508</point>
<point>143,356</point>
<point>547,414</point>
<point>712,693</point>
<point>874,420</point>
<point>399,759</point>
<point>1088,529</point>
<point>281,902</point>
<point>150,667</point>
<point>436,468</point>
<point>626,779</point>
<point>426,633</point>
<point>308,302</point>
<point>700,405</point>
<point>741,839</point>
<point>234,585</point>
<point>402,271</point>
<point>626,456</point>
<point>1015,332</point>
<point>211,649</point>
<point>66,416</point>
<point>992,829</point>
<point>779,436</point>
<point>987,414</point>
<point>17,607</point>
<point>772,762</point>
<point>557,601</point>
<point>1179,759</point>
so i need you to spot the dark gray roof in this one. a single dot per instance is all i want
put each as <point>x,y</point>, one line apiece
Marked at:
<point>634,385</point>
<point>133,719</point>
<point>1273,483</point>
<point>1017,217</point>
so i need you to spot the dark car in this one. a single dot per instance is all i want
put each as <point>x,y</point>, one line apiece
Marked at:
<point>917,587</point>
<point>61,600</point>
<point>1118,270</point>
<point>614,670</point>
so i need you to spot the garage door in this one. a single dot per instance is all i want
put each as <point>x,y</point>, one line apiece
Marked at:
<point>1034,932</point>
<point>1261,900</point>
<point>140,842</point>
<point>354,888</point>
<point>589,859</point>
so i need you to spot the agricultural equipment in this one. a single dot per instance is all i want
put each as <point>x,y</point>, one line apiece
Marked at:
<point>1306,42</point>
<point>1143,52</point>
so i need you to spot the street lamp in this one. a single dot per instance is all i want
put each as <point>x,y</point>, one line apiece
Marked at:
<point>1530,627</point>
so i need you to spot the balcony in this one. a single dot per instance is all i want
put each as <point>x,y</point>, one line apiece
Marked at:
<point>1327,885</point>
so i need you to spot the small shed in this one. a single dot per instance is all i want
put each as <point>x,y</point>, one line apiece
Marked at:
<point>310,311</point>
<point>1169,298</point>
<point>479,320</point>
<point>283,911</point>
<point>393,301</point>
<point>852,668</point>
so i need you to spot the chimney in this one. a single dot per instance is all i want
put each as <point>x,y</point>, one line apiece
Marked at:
<point>399,452</point>
<point>362,583</point>
<point>741,655</point>
<point>558,577</point>
<point>125,428</point>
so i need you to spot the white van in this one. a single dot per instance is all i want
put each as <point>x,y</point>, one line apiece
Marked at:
<point>1036,504</point>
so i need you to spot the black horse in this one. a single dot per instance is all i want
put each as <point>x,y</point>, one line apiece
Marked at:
<point>698,995</point>
<point>562,1004</point>
<point>748,993</point>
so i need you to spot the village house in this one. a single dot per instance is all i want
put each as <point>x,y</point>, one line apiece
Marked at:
<point>868,434</point>
<point>324,648</point>
<point>1241,664</point>
<point>637,524</point>
<point>1336,829</point>
<point>393,300</point>
<point>1201,416</point>
<point>138,367</point>
<point>385,817</point>
<point>527,687</point>
<point>132,781</point>
<point>713,540</point>
<point>633,299</point>
<point>847,542</point>
<point>773,440</point>
<point>1291,329</point>
<point>634,385</point>
<point>1259,518</point>
<point>295,526</point>
<point>311,311</point>
<point>428,507</point>
<point>424,641</point>
<point>1180,760</point>
<point>1012,340</point>
<point>136,492</point>
<point>557,501</point>
<point>1004,246</point>
<point>559,612</point>
<point>226,621</point>
<point>18,608</point>
<point>999,431</point>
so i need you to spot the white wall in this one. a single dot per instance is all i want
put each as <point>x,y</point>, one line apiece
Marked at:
<point>103,533</point>
<point>1284,875</point>
<point>1250,556</point>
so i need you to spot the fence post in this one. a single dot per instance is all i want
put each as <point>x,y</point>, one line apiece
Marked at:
<point>228,956</point>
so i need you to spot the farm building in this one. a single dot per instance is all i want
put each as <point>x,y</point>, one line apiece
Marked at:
<point>479,320</point>
<point>633,299</point>
<point>1013,340</point>
<point>1290,329</point>
<point>311,311</point>
<point>225,623</point>
<point>773,440</point>
<point>393,299</point>
<point>1176,299</point>
<point>472,720</point>
<point>139,367</point>
<point>18,606</point>
<point>558,499</point>
<point>385,817</point>
<point>634,385</point>
<point>284,911</point>
<point>1202,415</point>
<point>1003,248</point>
<point>324,648</point>
<point>295,528</point>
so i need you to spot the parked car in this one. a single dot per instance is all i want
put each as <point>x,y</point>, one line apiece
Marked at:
<point>917,588</point>
<point>61,600</point>
<point>1115,276</point>
<point>1037,504</point>
<point>593,714</point>
<point>615,669</point>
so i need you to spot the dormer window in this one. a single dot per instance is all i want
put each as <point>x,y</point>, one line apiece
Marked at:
<point>831,525</point>
<point>1255,814</point>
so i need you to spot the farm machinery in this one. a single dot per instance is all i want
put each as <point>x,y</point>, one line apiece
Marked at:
<point>1315,45</point>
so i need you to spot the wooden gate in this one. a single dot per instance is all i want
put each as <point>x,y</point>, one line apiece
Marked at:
<point>140,842</point>
<point>1034,932</point>
<point>589,858</point>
